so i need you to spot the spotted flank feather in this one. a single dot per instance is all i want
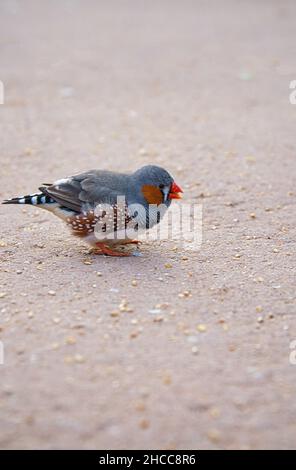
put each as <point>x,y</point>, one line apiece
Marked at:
<point>32,199</point>
<point>83,224</point>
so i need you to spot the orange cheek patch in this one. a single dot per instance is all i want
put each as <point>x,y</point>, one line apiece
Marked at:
<point>152,194</point>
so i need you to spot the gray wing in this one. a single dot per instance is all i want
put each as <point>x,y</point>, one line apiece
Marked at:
<point>86,190</point>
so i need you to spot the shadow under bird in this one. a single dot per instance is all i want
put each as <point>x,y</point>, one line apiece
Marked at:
<point>81,201</point>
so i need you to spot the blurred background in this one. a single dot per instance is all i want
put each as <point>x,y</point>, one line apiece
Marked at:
<point>201,88</point>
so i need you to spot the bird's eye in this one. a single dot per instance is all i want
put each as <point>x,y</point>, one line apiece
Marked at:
<point>161,186</point>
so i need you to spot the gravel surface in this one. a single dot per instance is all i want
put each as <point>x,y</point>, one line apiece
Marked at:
<point>201,88</point>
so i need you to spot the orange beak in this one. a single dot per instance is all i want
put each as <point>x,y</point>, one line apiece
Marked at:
<point>175,191</point>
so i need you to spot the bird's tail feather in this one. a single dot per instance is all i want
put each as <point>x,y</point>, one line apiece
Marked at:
<point>33,199</point>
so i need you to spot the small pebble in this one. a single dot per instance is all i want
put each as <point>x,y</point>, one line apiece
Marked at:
<point>154,311</point>
<point>51,292</point>
<point>194,350</point>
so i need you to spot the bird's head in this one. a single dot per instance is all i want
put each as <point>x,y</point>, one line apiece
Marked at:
<point>155,185</point>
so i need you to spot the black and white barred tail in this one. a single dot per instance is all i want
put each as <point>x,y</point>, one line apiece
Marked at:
<point>32,199</point>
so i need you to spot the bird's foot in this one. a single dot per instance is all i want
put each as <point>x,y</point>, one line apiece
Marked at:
<point>103,249</point>
<point>133,242</point>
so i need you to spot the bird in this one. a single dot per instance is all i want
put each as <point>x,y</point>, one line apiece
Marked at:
<point>110,200</point>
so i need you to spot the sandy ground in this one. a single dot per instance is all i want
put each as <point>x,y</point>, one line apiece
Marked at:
<point>201,88</point>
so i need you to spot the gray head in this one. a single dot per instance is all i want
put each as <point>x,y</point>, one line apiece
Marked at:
<point>154,185</point>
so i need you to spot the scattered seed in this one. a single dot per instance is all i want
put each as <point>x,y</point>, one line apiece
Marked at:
<point>79,358</point>
<point>114,313</point>
<point>250,158</point>
<point>134,334</point>
<point>2,295</point>
<point>124,307</point>
<point>201,328</point>
<point>214,435</point>
<point>167,379</point>
<point>70,340</point>
<point>68,359</point>
<point>134,283</point>
<point>186,293</point>
<point>163,306</point>
<point>144,424</point>
<point>140,406</point>
<point>158,319</point>
<point>252,215</point>
<point>215,412</point>
<point>51,292</point>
